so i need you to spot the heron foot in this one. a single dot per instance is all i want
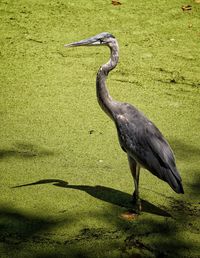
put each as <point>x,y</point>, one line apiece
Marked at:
<point>137,203</point>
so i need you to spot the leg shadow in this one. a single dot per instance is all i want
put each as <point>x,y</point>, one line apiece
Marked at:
<point>105,194</point>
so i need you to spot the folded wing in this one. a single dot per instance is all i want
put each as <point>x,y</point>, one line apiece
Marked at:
<point>142,140</point>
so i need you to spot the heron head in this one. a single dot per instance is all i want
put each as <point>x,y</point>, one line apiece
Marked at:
<point>103,38</point>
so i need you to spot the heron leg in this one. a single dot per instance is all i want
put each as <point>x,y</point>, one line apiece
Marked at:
<point>135,171</point>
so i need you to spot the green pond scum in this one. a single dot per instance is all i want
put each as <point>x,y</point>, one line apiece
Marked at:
<point>65,183</point>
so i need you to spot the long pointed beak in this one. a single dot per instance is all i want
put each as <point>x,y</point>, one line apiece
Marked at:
<point>85,42</point>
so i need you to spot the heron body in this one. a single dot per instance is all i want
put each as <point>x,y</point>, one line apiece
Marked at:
<point>138,136</point>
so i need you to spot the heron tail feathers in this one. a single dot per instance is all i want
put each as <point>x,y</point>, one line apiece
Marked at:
<point>179,188</point>
<point>174,180</point>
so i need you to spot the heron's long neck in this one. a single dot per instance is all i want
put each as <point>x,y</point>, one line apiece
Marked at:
<point>105,100</point>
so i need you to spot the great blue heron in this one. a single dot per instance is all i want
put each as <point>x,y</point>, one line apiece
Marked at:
<point>138,136</point>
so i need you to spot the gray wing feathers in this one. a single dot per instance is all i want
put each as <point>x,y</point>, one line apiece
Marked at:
<point>144,142</point>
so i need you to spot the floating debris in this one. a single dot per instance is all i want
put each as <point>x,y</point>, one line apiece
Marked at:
<point>91,131</point>
<point>114,2</point>
<point>129,215</point>
<point>186,7</point>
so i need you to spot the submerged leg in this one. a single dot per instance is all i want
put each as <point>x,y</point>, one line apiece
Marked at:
<point>135,171</point>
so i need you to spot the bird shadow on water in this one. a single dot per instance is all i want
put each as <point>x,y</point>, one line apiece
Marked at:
<point>105,194</point>
<point>151,236</point>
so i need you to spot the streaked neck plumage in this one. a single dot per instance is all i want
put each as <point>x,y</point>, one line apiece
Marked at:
<point>105,100</point>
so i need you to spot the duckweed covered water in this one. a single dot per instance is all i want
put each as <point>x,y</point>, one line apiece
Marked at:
<point>58,145</point>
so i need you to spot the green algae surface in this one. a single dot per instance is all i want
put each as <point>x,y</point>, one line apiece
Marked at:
<point>65,182</point>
